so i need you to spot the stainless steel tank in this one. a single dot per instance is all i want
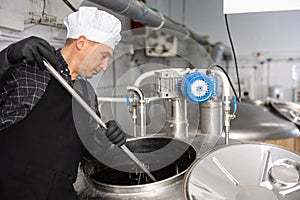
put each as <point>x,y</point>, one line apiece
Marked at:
<point>257,121</point>
<point>167,158</point>
<point>288,110</point>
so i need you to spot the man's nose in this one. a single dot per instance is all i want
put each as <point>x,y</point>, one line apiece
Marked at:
<point>104,65</point>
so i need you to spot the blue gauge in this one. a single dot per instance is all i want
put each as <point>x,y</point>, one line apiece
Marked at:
<point>196,87</point>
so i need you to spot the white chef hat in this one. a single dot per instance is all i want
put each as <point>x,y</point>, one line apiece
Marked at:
<point>96,25</point>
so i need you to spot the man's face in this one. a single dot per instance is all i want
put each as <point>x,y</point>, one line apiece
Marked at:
<point>95,58</point>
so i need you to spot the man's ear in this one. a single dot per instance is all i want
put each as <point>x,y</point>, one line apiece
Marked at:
<point>81,42</point>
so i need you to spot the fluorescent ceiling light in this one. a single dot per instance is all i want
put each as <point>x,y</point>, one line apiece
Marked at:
<point>247,6</point>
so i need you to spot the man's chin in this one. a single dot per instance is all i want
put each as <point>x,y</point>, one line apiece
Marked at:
<point>87,76</point>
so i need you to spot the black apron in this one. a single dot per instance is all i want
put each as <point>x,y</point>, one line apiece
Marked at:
<point>40,154</point>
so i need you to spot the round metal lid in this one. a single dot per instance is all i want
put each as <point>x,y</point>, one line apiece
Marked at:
<point>288,110</point>
<point>245,172</point>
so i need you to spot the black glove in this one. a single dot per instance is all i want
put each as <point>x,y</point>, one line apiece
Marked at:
<point>115,134</point>
<point>31,50</point>
<point>100,140</point>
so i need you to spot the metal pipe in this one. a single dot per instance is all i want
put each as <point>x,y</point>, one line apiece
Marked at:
<point>142,107</point>
<point>90,111</point>
<point>133,111</point>
<point>227,118</point>
<point>134,119</point>
<point>226,84</point>
<point>137,11</point>
<point>143,76</point>
<point>112,99</point>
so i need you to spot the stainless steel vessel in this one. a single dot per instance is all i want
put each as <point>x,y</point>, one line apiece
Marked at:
<point>245,172</point>
<point>167,158</point>
<point>289,110</point>
<point>259,122</point>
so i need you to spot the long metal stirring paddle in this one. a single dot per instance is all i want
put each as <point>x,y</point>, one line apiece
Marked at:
<point>87,108</point>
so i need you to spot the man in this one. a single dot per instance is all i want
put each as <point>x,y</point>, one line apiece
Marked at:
<point>41,139</point>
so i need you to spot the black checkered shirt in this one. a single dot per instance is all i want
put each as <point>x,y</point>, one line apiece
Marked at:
<point>24,88</point>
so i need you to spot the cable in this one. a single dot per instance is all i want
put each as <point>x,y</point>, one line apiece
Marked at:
<point>234,58</point>
<point>231,85</point>
<point>70,5</point>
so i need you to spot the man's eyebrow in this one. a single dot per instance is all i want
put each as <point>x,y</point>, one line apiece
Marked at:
<point>107,53</point>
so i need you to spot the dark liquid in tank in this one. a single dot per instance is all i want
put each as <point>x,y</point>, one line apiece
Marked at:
<point>134,177</point>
